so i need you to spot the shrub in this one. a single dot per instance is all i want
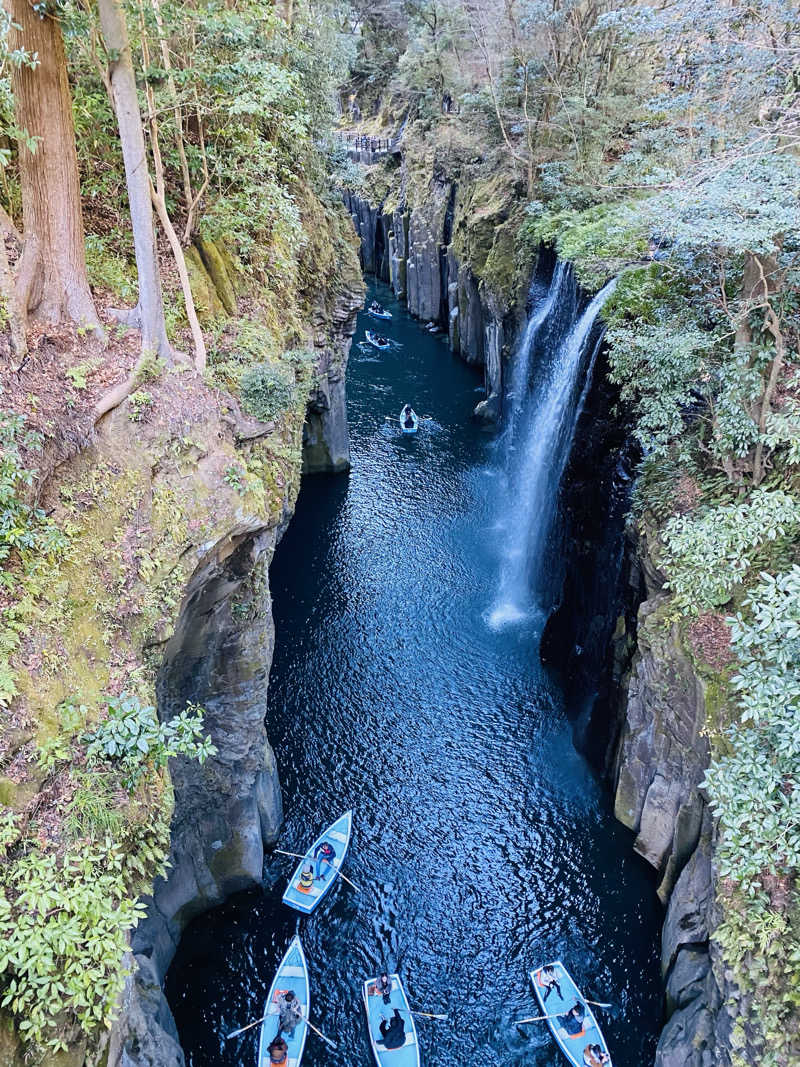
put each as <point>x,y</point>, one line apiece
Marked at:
<point>708,553</point>
<point>133,738</point>
<point>267,391</point>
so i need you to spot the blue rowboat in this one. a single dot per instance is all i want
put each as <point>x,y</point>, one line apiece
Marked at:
<point>407,1054</point>
<point>572,1045</point>
<point>377,341</point>
<point>292,974</point>
<point>414,422</point>
<point>379,312</point>
<point>306,888</point>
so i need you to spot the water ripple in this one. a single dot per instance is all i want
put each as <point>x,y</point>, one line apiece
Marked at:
<point>481,841</point>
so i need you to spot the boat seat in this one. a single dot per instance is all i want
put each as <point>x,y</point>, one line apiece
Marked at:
<point>337,835</point>
<point>292,972</point>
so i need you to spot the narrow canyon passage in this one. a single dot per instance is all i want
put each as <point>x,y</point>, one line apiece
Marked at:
<point>482,842</point>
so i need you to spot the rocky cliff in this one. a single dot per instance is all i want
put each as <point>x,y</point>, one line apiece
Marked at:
<point>658,767</point>
<point>443,237</point>
<point>174,503</point>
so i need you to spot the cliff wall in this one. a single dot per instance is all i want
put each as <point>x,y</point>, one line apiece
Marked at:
<point>443,237</point>
<point>657,771</point>
<point>173,504</point>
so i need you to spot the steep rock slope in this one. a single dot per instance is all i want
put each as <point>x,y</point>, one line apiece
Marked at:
<point>173,504</point>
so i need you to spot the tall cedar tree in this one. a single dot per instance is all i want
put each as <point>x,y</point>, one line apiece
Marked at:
<point>52,280</point>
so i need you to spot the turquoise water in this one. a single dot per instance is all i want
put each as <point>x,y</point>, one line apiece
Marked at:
<point>482,843</point>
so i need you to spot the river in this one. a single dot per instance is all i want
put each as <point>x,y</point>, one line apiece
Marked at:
<point>483,844</point>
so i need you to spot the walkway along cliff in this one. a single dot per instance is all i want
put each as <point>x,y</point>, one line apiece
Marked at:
<point>449,246</point>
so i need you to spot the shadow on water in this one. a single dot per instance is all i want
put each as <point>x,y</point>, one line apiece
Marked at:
<point>482,842</point>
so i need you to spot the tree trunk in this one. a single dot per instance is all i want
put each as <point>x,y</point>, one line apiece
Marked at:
<point>16,320</point>
<point>51,205</point>
<point>126,105</point>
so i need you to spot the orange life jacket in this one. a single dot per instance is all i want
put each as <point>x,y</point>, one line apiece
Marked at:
<point>306,880</point>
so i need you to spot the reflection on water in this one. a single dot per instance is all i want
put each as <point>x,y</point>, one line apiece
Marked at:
<point>482,844</point>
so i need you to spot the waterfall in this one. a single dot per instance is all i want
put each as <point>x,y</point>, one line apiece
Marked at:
<point>541,426</point>
<point>521,370</point>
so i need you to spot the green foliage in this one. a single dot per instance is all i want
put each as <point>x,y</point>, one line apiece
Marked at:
<point>660,369</point>
<point>150,369</point>
<point>754,791</point>
<point>783,432</point>
<point>132,738</point>
<point>65,914</point>
<point>30,543</point>
<point>598,240</point>
<point>140,403</point>
<point>64,925</point>
<point>235,476</point>
<point>94,811</point>
<point>708,553</point>
<point>267,391</point>
<point>79,374</point>
<point>58,748</point>
<point>107,269</point>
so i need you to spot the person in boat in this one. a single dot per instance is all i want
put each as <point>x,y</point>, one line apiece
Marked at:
<point>572,1022</point>
<point>305,883</point>
<point>290,1012</point>
<point>278,1051</point>
<point>381,340</point>
<point>324,855</point>
<point>593,1056</point>
<point>377,308</point>
<point>393,1031</point>
<point>382,988</point>
<point>408,415</point>
<point>548,981</point>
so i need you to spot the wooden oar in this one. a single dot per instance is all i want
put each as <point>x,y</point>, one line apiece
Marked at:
<point>427,1015</point>
<point>539,1018</point>
<point>235,1033</point>
<point>263,1018</point>
<point>307,855</point>
<point>319,1033</point>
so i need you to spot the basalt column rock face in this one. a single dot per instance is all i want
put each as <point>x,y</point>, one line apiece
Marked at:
<point>662,754</point>
<point>412,250</point>
<point>326,442</point>
<point>660,763</point>
<point>227,809</point>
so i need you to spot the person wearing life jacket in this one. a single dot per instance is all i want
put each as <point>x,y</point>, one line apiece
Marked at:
<point>382,988</point>
<point>593,1056</point>
<point>290,1012</point>
<point>572,1022</point>
<point>324,855</point>
<point>306,880</point>
<point>548,982</point>
<point>278,1052</point>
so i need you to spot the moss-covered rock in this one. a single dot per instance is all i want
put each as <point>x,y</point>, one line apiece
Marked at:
<point>219,265</point>
<point>207,301</point>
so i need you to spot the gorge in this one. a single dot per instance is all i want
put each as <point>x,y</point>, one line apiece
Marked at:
<point>547,648</point>
<point>482,839</point>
